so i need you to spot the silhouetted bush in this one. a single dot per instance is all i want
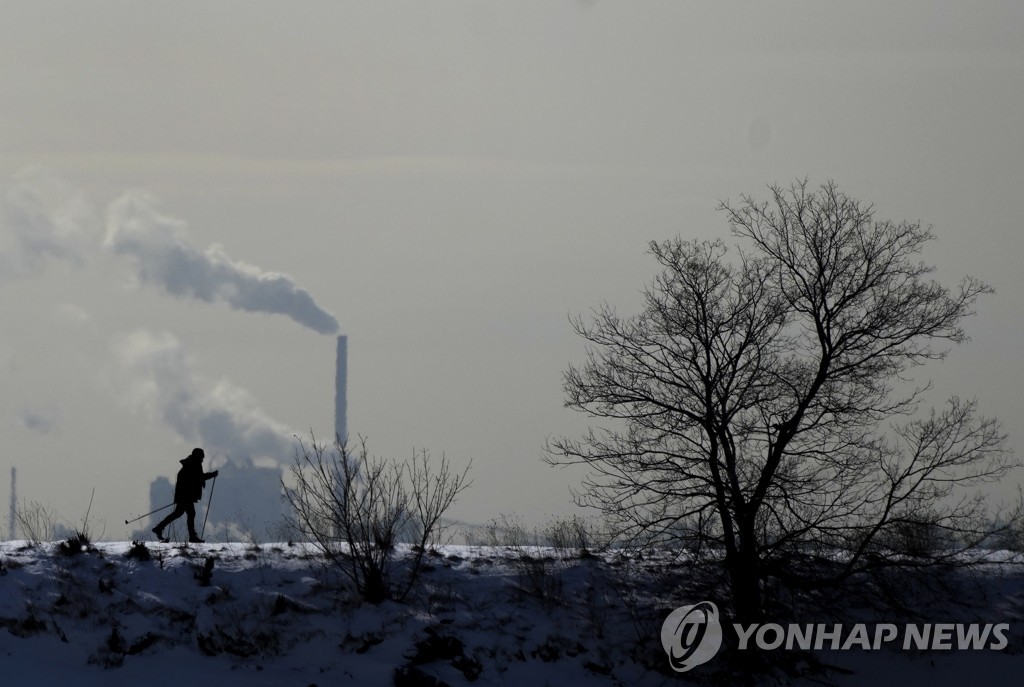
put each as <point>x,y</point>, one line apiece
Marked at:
<point>355,508</point>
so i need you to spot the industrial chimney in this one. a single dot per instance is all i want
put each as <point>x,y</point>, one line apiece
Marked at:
<point>14,505</point>
<point>341,391</point>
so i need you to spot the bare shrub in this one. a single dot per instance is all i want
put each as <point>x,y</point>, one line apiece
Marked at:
<point>36,523</point>
<point>80,539</point>
<point>504,531</point>
<point>138,552</point>
<point>536,566</point>
<point>355,508</point>
<point>575,535</point>
<point>77,543</point>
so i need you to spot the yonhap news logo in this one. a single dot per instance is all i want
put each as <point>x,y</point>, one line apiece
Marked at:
<point>691,635</point>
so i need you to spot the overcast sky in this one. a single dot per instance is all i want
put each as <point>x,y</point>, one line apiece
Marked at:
<point>194,198</point>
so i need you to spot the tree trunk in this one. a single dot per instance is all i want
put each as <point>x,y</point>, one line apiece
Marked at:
<point>745,575</point>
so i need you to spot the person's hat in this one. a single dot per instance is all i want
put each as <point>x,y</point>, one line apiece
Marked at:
<point>198,453</point>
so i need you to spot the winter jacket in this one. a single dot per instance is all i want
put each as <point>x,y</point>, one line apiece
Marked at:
<point>191,479</point>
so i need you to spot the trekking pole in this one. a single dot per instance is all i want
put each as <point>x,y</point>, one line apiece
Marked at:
<point>207,515</point>
<point>149,513</point>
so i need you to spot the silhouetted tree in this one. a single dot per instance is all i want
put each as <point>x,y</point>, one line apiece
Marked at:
<point>752,397</point>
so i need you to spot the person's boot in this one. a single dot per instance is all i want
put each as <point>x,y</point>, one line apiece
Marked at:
<point>194,539</point>
<point>158,531</point>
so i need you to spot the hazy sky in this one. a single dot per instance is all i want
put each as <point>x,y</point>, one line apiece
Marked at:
<point>193,196</point>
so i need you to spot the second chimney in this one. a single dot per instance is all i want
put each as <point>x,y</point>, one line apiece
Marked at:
<point>341,391</point>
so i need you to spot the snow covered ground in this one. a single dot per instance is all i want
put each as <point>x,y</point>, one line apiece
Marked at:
<point>271,614</point>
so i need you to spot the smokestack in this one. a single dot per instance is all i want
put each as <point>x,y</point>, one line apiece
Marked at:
<point>341,391</point>
<point>14,505</point>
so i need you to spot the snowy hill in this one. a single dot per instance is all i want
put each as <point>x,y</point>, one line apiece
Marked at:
<point>244,614</point>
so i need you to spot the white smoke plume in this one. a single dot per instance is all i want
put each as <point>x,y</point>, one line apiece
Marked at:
<point>41,219</point>
<point>153,372</point>
<point>167,259</point>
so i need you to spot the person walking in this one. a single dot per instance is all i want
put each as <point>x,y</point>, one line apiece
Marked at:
<point>188,489</point>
